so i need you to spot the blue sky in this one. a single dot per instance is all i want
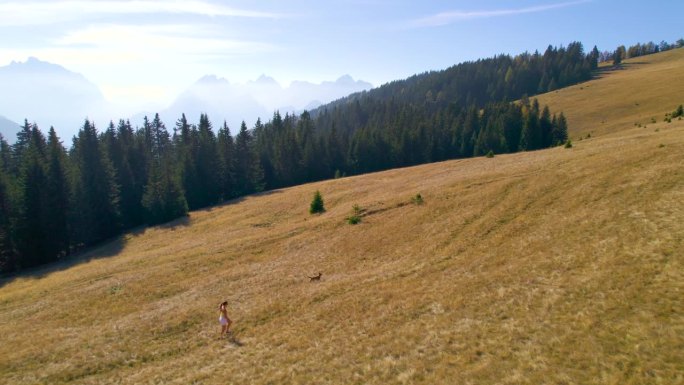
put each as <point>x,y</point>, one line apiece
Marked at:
<point>147,51</point>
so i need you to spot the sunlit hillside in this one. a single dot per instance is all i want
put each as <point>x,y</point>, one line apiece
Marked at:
<point>561,266</point>
<point>643,89</point>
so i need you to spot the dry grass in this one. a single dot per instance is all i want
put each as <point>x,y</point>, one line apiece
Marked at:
<point>561,266</point>
<point>646,88</point>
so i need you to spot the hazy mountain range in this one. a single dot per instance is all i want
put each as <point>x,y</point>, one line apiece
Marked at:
<point>233,103</point>
<point>47,94</point>
<point>51,95</point>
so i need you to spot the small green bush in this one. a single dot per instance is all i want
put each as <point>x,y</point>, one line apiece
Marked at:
<point>679,112</point>
<point>317,205</point>
<point>490,154</point>
<point>418,199</point>
<point>568,144</point>
<point>354,219</point>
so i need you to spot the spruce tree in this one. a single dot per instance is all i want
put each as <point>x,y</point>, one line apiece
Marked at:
<point>560,131</point>
<point>129,161</point>
<point>58,194</point>
<point>226,156</point>
<point>96,194</point>
<point>248,172</point>
<point>545,128</point>
<point>31,233</point>
<point>7,202</point>
<point>21,144</point>
<point>7,254</point>
<point>317,205</point>
<point>186,145</point>
<point>206,163</point>
<point>531,136</point>
<point>163,199</point>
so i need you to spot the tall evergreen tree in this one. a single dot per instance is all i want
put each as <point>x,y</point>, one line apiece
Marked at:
<point>96,194</point>
<point>186,145</point>
<point>129,159</point>
<point>21,144</point>
<point>206,163</point>
<point>5,155</point>
<point>6,247</point>
<point>163,199</point>
<point>531,136</point>
<point>226,159</point>
<point>57,191</point>
<point>31,231</point>
<point>7,252</point>
<point>545,128</point>
<point>560,130</point>
<point>249,174</point>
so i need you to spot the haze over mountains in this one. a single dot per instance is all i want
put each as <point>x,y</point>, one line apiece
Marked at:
<point>223,100</point>
<point>51,95</point>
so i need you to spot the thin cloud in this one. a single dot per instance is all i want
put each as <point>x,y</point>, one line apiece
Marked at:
<point>450,17</point>
<point>158,40</point>
<point>39,13</point>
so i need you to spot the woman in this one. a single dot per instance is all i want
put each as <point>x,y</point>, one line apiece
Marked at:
<point>223,319</point>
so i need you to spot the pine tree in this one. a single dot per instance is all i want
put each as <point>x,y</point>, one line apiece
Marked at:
<point>226,155</point>
<point>619,54</point>
<point>58,194</point>
<point>7,253</point>
<point>7,249</point>
<point>531,137</point>
<point>187,144</point>
<point>513,127</point>
<point>21,144</point>
<point>206,163</point>
<point>545,128</point>
<point>334,153</point>
<point>5,155</point>
<point>163,199</point>
<point>317,205</point>
<point>594,58</point>
<point>471,128</point>
<point>129,159</point>
<point>96,194</point>
<point>31,232</point>
<point>560,131</point>
<point>248,172</point>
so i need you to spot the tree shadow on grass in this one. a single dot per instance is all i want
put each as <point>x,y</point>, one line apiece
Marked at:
<point>105,249</point>
<point>240,199</point>
<point>605,70</point>
<point>111,247</point>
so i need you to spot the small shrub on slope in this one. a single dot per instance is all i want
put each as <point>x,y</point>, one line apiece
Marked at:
<point>317,205</point>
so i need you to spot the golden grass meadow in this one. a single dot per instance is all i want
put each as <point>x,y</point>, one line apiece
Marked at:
<point>561,266</point>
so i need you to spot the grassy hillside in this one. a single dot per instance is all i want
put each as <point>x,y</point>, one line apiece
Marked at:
<point>645,88</point>
<point>561,266</point>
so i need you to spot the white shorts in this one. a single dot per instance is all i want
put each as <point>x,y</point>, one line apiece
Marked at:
<point>223,321</point>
